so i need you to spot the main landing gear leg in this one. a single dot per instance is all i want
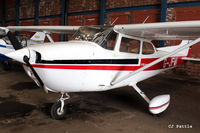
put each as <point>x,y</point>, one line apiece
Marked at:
<point>140,92</point>
<point>158,104</point>
<point>58,110</point>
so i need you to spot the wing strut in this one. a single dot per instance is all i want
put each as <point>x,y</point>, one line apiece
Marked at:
<point>158,104</point>
<point>140,92</point>
<point>156,61</point>
<point>49,37</point>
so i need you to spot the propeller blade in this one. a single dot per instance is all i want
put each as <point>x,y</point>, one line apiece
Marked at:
<point>14,41</point>
<point>26,60</point>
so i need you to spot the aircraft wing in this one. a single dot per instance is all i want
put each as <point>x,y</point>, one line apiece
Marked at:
<point>48,29</point>
<point>182,30</point>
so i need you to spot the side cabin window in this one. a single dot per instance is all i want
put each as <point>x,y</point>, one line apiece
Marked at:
<point>130,45</point>
<point>147,48</point>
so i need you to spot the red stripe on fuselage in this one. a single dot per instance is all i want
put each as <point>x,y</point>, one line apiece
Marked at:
<point>110,67</point>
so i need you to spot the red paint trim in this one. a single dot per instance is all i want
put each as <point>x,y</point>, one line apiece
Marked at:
<point>189,52</point>
<point>89,67</point>
<point>154,108</point>
<point>110,67</point>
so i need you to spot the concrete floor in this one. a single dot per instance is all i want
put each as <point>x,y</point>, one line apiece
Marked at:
<point>26,108</point>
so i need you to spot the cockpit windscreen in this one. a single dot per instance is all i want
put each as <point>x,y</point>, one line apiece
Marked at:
<point>102,35</point>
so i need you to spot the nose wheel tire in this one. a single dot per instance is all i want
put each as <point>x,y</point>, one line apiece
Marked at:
<point>56,112</point>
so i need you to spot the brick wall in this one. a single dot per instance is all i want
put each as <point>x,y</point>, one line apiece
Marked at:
<point>83,5</point>
<point>129,3</point>
<point>50,7</point>
<point>53,7</point>
<point>186,14</point>
<point>51,21</point>
<point>27,9</point>
<point>10,9</point>
<point>177,1</point>
<point>26,23</point>
<point>0,8</point>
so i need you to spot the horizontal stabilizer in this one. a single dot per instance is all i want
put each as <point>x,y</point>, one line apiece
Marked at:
<point>194,60</point>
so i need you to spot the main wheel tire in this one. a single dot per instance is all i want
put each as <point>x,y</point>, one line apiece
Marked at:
<point>56,113</point>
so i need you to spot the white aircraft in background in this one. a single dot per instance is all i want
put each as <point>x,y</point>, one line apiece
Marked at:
<point>6,46</point>
<point>100,58</point>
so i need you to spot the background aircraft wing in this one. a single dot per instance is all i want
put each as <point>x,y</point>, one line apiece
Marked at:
<point>183,30</point>
<point>48,29</point>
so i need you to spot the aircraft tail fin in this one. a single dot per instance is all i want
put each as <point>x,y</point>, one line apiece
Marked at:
<point>38,36</point>
<point>184,52</point>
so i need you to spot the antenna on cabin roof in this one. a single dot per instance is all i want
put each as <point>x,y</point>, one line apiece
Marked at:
<point>114,20</point>
<point>145,19</point>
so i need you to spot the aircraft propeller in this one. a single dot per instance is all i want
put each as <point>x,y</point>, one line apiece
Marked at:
<point>17,46</point>
<point>39,81</point>
<point>14,41</point>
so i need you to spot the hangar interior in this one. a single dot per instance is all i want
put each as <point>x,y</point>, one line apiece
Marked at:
<point>102,12</point>
<point>25,108</point>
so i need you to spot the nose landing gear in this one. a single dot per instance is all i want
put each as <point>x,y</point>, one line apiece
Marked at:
<point>58,110</point>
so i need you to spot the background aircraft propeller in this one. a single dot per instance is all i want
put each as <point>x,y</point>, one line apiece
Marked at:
<point>14,41</point>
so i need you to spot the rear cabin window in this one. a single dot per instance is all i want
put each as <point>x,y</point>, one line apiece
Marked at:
<point>147,48</point>
<point>130,46</point>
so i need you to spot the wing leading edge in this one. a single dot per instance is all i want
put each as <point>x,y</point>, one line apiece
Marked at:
<point>183,30</point>
<point>48,29</point>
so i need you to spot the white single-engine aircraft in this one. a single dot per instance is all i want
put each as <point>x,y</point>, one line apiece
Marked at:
<point>100,58</point>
